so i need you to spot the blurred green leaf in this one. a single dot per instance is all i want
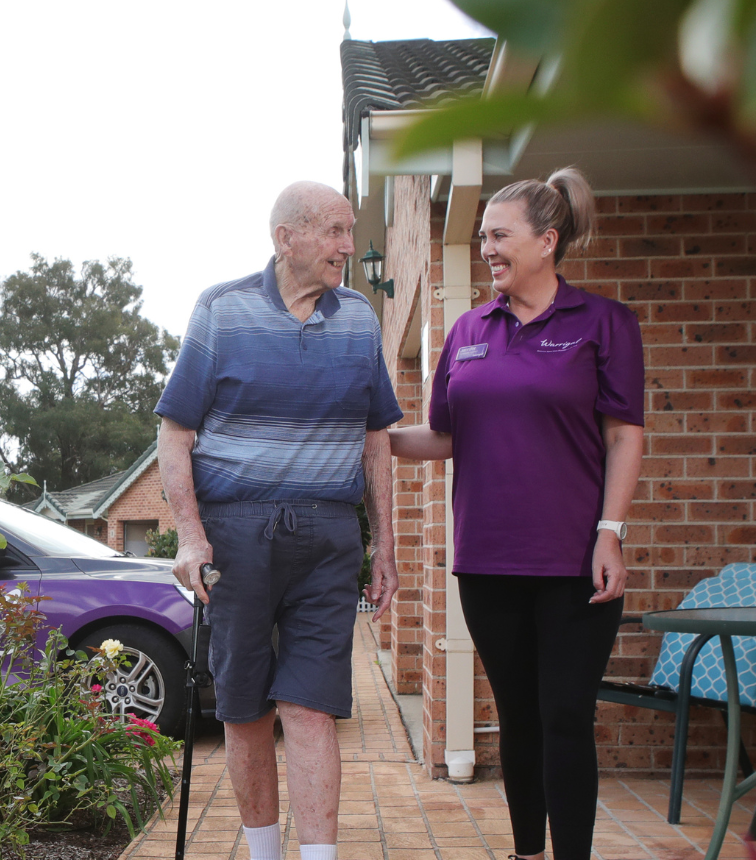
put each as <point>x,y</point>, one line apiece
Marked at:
<point>495,117</point>
<point>531,26</point>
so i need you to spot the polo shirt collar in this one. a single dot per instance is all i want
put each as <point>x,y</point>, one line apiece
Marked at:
<point>327,304</point>
<point>567,297</point>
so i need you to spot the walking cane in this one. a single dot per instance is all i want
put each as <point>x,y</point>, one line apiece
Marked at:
<point>197,675</point>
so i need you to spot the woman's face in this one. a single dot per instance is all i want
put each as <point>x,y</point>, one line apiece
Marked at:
<point>511,249</point>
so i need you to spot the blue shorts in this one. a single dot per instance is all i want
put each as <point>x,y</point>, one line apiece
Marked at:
<point>292,564</point>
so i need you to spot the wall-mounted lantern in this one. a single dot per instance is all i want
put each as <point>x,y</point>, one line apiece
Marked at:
<point>373,265</point>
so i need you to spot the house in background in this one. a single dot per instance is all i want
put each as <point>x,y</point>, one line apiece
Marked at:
<point>116,510</point>
<point>676,243</point>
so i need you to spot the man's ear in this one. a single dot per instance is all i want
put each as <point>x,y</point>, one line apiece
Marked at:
<point>283,238</point>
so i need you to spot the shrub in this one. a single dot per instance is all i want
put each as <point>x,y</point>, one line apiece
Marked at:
<point>163,545</point>
<point>61,751</point>
<point>363,579</point>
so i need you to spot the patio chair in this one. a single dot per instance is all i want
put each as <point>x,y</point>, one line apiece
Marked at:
<point>690,671</point>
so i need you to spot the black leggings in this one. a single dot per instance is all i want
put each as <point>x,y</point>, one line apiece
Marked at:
<point>544,649</point>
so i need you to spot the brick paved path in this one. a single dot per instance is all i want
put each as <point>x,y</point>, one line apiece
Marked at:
<point>391,810</point>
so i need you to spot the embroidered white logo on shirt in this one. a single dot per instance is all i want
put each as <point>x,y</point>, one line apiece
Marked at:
<point>550,346</point>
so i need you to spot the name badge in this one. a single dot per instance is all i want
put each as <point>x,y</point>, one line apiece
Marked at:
<point>466,353</point>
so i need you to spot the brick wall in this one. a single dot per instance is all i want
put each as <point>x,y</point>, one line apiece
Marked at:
<point>143,500</point>
<point>685,265</point>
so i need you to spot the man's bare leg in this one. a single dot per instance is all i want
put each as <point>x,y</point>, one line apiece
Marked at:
<point>313,772</point>
<point>251,761</point>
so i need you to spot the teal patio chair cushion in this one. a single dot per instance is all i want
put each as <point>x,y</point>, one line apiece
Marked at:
<point>735,586</point>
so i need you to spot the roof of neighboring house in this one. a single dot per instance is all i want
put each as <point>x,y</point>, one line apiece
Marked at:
<point>92,500</point>
<point>406,74</point>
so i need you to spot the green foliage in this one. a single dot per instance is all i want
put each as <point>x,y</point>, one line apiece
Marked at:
<point>6,482</point>
<point>61,752</point>
<point>675,63</point>
<point>363,579</point>
<point>82,369</point>
<point>163,545</point>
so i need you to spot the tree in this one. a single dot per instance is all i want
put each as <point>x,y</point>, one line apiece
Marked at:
<point>82,369</point>
<point>675,63</point>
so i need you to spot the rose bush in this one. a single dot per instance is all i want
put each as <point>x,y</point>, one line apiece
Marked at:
<point>61,751</point>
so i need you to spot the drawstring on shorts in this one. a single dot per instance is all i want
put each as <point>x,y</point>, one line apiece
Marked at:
<point>289,515</point>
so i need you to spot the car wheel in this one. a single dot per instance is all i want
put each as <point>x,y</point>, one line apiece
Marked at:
<point>150,683</point>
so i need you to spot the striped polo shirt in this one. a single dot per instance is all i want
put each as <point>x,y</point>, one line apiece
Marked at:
<point>280,406</point>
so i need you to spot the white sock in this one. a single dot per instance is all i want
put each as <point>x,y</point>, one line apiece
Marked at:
<point>317,852</point>
<point>264,842</point>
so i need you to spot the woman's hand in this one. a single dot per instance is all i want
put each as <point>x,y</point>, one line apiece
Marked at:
<point>609,571</point>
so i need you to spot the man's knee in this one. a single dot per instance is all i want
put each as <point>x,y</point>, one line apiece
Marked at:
<point>302,719</point>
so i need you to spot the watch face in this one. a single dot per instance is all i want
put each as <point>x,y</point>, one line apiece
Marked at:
<point>622,531</point>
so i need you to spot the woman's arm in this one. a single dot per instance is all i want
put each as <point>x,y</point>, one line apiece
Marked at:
<point>624,450</point>
<point>419,442</point>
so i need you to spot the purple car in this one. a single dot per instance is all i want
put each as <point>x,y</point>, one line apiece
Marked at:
<point>97,594</point>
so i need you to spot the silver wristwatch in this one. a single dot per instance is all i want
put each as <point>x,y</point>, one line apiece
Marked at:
<point>620,529</point>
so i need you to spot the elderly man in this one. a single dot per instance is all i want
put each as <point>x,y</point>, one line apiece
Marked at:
<point>274,427</point>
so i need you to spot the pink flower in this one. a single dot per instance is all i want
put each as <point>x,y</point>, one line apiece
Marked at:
<point>136,723</point>
<point>96,688</point>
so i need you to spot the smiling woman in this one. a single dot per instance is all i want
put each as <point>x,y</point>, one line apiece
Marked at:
<point>538,396</point>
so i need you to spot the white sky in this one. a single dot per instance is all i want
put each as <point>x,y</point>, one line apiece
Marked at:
<point>163,131</point>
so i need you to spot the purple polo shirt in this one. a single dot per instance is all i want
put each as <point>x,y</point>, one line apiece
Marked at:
<point>524,405</point>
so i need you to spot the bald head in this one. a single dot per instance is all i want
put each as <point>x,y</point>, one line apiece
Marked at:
<point>300,205</point>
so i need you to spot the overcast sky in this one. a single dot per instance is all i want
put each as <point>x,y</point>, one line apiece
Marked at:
<point>162,131</point>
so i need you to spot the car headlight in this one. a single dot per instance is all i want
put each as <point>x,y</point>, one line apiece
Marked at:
<point>186,593</point>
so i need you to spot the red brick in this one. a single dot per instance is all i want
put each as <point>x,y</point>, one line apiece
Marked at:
<point>742,444</point>
<point>650,203</point>
<point>620,225</point>
<point>726,267</point>
<point>716,378</point>
<point>664,422</point>
<point>716,422</point>
<point>683,489</point>
<point>687,534</point>
<point>684,224</point>
<point>697,444</point>
<point>682,580</point>
<point>742,534</point>
<point>740,354</point>
<point>601,269</point>
<point>717,333</point>
<point>682,312</point>
<point>664,378</point>
<point>682,401</point>
<point>714,245</point>
<point>661,333</point>
<point>680,356</point>
<point>606,205</point>
<point>736,400</point>
<point>719,289</point>
<point>655,512</point>
<point>716,556</point>
<point>662,467</point>
<point>609,290</point>
<point>650,291</point>
<point>648,246</point>
<point>724,311</point>
<point>736,489</point>
<point>720,511</point>
<point>718,467</point>
<point>713,202</point>
<point>734,222</point>
<point>601,247</point>
<point>667,556</point>
<point>690,267</point>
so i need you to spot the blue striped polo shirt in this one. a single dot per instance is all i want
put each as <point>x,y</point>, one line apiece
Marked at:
<point>280,406</point>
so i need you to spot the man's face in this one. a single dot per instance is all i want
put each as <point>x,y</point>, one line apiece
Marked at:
<point>320,250</point>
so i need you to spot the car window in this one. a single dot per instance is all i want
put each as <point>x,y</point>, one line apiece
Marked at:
<point>48,536</point>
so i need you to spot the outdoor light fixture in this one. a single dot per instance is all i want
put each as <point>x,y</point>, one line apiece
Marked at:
<point>373,264</point>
